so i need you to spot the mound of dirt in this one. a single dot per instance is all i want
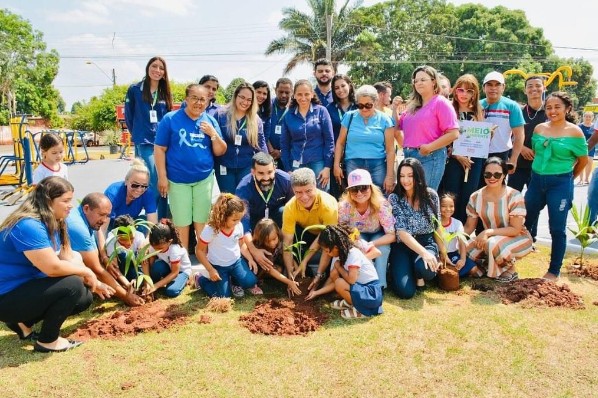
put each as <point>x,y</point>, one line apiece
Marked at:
<point>153,316</point>
<point>586,271</point>
<point>283,318</point>
<point>539,293</point>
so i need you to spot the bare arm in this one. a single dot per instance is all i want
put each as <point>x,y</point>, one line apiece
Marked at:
<point>287,255</point>
<point>47,261</point>
<point>389,144</point>
<point>441,142</point>
<point>160,160</point>
<point>339,152</point>
<point>518,139</point>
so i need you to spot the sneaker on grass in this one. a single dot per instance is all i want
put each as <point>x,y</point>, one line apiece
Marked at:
<point>238,291</point>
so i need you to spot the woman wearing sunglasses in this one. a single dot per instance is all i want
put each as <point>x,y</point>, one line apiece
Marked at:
<point>416,209</point>
<point>428,125</point>
<point>364,207</point>
<point>133,195</point>
<point>366,139</point>
<point>502,211</point>
<point>466,101</point>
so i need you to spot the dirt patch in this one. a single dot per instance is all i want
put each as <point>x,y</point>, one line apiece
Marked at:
<point>287,317</point>
<point>481,287</point>
<point>588,270</point>
<point>448,278</point>
<point>154,316</point>
<point>539,293</point>
<point>205,319</point>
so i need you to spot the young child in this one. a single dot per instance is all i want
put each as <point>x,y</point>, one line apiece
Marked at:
<point>220,246</point>
<point>52,154</point>
<point>267,235</point>
<point>455,248</point>
<point>123,239</point>
<point>353,274</point>
<point>170,268</point>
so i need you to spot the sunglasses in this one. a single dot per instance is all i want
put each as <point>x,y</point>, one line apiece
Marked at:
<point>496,176</point>
<point>366,106</point>
<point>463,91</point>
<point>359,188</point>
<point>137,186</point>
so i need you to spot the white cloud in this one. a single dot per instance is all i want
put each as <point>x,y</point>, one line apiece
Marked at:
<point>94,13</point>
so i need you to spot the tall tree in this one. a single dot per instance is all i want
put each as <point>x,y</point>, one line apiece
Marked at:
<point>306,32</point>
<point>26,70</point>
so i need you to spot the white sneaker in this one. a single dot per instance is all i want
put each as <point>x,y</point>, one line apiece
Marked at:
<point>238,291</point>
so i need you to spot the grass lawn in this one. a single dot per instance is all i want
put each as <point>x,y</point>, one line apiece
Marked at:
<point>435,345</point>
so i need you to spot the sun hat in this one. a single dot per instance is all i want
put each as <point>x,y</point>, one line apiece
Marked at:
<point>494,76</point>
<point>359,177</point>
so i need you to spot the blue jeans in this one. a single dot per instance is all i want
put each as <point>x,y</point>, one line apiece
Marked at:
<point>317,167</point>
<point>519,178</point>
<point>159,270</point>
<point>228,183</point>
<point>453,181</point>
<point>146,152</point>
<point>406,266</point>
<point>469,263</point>
<point>376,167</point>
<point>239,271</point>
<point>556,192</point>
<point>380,262</point>
<point>593,196</point>
<point>433,165</point>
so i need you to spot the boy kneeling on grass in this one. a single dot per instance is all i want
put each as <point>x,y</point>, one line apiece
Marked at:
<point>352,275</point>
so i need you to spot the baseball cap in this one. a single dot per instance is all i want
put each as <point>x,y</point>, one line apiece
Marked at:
<point>494,76</point>
<point>359,177</point>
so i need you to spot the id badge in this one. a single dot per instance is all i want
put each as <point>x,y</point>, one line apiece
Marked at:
<point>153,116</point>
<point>222,170</point>
<point>267,213</point>
<point>238,140</point>
<point>278,130</point>
<point>296,164</point>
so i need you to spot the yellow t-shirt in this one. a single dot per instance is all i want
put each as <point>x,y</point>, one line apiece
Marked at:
<point>324,211</point>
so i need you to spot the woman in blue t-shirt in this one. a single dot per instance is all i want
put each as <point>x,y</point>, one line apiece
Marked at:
<point>39,280</point>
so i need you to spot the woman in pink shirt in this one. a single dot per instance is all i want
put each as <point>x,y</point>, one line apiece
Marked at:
<point>428,125</point>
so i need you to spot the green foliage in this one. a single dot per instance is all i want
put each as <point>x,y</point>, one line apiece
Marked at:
<point>295,248</point>
<point>586,232</point>
<point>27,71</point>
<point>230,89</point>
<point>446,236</point>
<point>100,113</point>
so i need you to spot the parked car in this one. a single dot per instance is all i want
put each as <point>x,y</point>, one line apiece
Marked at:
<point>88,138</point>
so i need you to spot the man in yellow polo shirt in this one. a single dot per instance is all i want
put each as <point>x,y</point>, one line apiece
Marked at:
<point>309,206</point>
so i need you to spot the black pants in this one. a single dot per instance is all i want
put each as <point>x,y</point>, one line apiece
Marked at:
<point>50,300</point>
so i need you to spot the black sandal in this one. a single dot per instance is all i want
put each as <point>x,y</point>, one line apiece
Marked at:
<point>72,344</point>
<point>17,329</point>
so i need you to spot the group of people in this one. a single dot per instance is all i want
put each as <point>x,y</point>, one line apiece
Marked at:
<point>273,186</point>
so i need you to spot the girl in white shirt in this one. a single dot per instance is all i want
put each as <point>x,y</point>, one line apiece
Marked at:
<point>52,151</point>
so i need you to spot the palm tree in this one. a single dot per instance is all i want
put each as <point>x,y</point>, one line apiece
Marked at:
<point>306,33</point>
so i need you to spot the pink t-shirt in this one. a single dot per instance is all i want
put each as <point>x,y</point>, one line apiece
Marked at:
<point>428,123</point>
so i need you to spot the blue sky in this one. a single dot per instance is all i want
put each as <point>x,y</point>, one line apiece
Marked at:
<point>226,38</point>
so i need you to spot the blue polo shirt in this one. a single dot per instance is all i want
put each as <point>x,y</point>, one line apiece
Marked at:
<point>276,117</point>
<point>366,141</point>
<point>307,139</point>
<point>15,269</point>
<point>137,115</point>
<point>325,99</point>
<point>189,156</point>
<point>117,193</point>
<point>238,156</point>
<point>336,116</point>
<point>265,118</point>
<point>247,191</point>
<point>212,108</point>
<point>82,236</point>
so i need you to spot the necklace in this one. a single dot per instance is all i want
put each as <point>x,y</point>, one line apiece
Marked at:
<point>535,113</point>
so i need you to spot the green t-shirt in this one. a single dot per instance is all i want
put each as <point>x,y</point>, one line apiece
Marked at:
<point>556,155</point>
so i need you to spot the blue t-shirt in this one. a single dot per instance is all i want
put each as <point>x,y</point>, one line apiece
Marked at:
<point>238,156</point>
<point>336,116</point>
<point>308,139</point>
<point>117,193</point>
<point>137,115</point>
<point>256,205</point>
<point>82,236</point>
<point>366,141</point>
<point>15,269</point>
<point>189,156</point>
<point>276,117</point>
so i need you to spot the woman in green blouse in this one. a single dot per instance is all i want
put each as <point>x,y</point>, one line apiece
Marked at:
<point>560,155</point>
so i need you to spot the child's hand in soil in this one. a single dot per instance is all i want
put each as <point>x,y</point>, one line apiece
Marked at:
<point>311,295</point>
<point>293,287</point>
<point>300,270</point>
<point>214,276</point>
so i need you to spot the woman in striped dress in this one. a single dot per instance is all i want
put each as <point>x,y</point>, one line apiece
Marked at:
<point>502,211</point>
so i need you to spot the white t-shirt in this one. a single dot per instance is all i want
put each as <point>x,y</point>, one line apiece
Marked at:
<point>367,272</point>
<point>454,226</point>
<point>42,171</point>
<point>176,254</point>
<point>223,250</point>
<point>112,243</point>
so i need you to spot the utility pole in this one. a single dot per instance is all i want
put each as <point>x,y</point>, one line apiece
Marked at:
<point>113,78</point>
<point>329,37</point>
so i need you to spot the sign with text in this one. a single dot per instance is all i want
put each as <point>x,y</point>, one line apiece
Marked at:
<point>474,139</point>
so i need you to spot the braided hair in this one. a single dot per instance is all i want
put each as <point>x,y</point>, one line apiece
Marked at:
<point>338,236</point>
<point>163,232</point>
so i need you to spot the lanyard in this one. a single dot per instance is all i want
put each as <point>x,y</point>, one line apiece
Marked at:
<point>266,200</point>
<point>155,95</point>
<point>283,113</point>
<point>242,125</point>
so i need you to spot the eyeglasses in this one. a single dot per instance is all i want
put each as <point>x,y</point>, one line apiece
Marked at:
<point>137,186</point>
<point>369,105</point>
<point>195,100</point>
<point>496,175</point>
<point>359,188</point>
<point>244,99</point>
<point>461,90</point>
<point>421,80</point>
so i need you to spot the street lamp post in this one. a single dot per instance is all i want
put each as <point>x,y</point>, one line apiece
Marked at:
<point>112,78</point>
